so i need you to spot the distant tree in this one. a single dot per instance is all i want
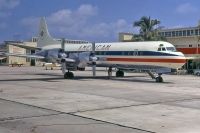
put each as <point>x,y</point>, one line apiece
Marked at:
<point>148,29</point>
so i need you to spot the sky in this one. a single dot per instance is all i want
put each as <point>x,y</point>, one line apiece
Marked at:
<point>91,20</point>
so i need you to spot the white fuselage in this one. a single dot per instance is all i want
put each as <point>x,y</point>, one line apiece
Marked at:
<point>153,53</point>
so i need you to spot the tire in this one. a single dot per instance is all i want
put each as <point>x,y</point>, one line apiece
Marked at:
<point>68,75</point>
<point>198,73</point>
<point>159,79</point>
<point>119,73</point>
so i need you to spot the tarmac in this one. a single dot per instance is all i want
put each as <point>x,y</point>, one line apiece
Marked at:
<point>34,100</point>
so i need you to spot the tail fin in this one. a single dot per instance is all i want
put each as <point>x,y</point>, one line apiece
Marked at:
<point>44,37</point>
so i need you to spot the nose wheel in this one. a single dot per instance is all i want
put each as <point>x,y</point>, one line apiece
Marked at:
<point>159,79</point>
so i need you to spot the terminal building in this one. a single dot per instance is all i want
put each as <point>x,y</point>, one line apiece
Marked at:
<point>8,47</point>
<point>187,41</point>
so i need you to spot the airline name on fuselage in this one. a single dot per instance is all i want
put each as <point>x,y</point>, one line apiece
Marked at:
<point>100,47</point>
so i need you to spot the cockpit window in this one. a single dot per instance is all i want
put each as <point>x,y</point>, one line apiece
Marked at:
<point>163,49</point>
<point>171,49</point>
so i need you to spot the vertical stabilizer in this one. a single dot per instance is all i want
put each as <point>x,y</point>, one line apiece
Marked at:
<point>44,37</point>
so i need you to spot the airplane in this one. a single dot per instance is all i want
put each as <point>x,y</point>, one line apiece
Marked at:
<point>149,56</point>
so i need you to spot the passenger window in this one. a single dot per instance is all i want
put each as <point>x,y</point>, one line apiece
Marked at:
<point>130,53</point>
<point>159,49</point>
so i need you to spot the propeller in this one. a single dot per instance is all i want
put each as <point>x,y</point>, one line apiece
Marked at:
<point>62,55</point>
<point>61,52</point>
<point>93,58</point>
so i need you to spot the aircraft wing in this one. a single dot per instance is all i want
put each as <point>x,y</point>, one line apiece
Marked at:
<point>26,47</point>
<point>24,55</point>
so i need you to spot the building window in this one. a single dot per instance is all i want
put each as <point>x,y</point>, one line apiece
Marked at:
<point>173,33</point>
<point>184,33</point>
<point>192,32</point>
<point>165,34</point>
<point>176,33</point>
<point>180,33</point>
<point>190,45</point>
<point>170,34</point>
<point>196,32</point>
<point>188,32</point>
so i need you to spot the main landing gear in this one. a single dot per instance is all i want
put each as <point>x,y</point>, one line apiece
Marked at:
<point>69,75</point>
<point>119,73</point>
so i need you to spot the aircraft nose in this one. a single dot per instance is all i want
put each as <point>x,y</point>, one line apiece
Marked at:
<point>182,56</point>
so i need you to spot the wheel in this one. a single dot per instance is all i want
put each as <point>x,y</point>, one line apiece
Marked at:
<point>69,75</point>
<point>119,73</point>
<point>197,74</point>
<point>159,79</point>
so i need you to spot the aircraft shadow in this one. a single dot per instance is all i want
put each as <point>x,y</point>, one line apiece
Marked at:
<point>57,78</point>
<point>126,78</point>
<point>48,74</point>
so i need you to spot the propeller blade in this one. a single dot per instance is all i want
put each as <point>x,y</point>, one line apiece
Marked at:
<point>94,70</point>
<point>93,47</point>
<point>62,55</point>
<point>93,60</point>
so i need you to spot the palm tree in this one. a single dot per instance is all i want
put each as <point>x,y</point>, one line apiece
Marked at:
<point>147,28</point>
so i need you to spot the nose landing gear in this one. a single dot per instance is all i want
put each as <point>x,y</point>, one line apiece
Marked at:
<point>159,78</point>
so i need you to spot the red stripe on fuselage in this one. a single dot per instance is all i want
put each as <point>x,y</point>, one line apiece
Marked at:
<point>147,60</point>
